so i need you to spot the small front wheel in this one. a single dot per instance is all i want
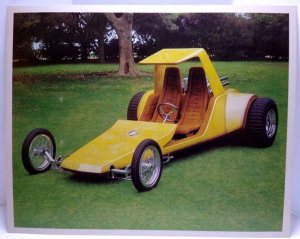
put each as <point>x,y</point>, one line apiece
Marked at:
<point>34,147</point>
<point>146,167</point>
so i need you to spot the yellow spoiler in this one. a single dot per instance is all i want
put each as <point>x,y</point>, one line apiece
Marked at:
<point>176,56</point>
<point>172,56</point>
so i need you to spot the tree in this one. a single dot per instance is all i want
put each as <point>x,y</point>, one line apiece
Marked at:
<point>270,35</point>
<point>98,24</point>
<point>57,37</point>
<point>92,28</point>
<point>25,28</point>
<point>154,31</point>
<point>224,35</point>
<point>123,25</point>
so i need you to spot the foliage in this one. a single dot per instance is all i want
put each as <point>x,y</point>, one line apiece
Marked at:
<point>270,36</point>
<point>26,28</point>
<point>226,36</point>
<point>59,36</point>
<point>221,186</point>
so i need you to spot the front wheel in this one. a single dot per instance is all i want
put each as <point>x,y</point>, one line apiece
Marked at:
<point>262,122</point>
<point>34,147</point>
<point>146,167</point>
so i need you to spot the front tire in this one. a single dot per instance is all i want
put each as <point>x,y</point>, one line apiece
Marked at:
<point>262,122</point>
<point>33,150</point>
<point>146,167</point>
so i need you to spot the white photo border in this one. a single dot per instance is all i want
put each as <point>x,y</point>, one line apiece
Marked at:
<point>291,10</point>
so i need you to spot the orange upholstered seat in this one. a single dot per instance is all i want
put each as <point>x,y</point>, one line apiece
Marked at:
<point>149,108</point>
<point>195,104</point>
<point>171,92</point>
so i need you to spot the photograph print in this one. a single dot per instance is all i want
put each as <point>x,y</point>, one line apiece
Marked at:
<point>157,122</point>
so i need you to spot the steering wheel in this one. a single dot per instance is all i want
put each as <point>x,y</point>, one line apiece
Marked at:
<point>171,109</point>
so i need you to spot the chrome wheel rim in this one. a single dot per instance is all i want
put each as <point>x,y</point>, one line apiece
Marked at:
<point>271,123</point>
<point>38,146</point>
<point>150,166</point>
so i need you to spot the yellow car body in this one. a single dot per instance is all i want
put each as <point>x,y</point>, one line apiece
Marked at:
<point>176,114</point>
<point>115,147</point>
<point>225,112</point>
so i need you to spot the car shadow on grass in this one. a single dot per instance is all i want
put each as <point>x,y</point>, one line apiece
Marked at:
<point>88,178</point>
<point>230,140</point>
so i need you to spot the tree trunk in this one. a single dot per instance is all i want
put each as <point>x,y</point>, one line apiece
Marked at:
<point>101,51</point>
<point>98,24</point>
<point>100,33</point>
<point>123,26</point>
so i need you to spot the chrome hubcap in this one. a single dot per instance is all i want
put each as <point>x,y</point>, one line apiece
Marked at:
<point>271,123</point>
<point>150,166</point>
<point>38,146</point>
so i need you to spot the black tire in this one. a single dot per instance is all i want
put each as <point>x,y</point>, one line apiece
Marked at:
<point>262,122</point>
<point>142,182</point>
<point>33,148</point>
<point>133,106</point>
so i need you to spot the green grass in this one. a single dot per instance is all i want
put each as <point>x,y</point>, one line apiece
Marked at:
<point>221,185</point>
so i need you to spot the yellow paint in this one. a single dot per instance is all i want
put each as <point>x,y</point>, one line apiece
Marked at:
<point>175,56</point>
<point>227,115</point>
<point>172,56</point>
<point>215,127</point>
<point>236,109</point>
<point>211,74</point>
<point>117,145</point>
<point>143,102</point>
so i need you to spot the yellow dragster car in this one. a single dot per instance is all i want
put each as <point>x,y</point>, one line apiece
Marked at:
<point>171,117</point>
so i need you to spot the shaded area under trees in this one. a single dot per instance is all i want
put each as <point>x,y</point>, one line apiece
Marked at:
<point>123,38</point>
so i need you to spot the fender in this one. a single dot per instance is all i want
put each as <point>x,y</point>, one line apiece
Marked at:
<point>236,110</point>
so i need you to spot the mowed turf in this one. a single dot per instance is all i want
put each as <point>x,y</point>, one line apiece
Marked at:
<point>222,185</point>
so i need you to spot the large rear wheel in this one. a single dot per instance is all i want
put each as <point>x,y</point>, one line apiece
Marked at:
<point>262,122</point>
<point>133,106</point>
<point>146,167</point>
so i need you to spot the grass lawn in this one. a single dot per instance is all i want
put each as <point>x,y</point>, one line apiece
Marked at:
<point>217,186</point>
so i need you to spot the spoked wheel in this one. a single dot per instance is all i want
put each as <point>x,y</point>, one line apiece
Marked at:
<point>34,147</point>
<point>146,167</point>
<point>262,122</point>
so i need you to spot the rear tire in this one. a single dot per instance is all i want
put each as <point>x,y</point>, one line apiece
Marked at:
<point>146,166</point>
<point>262,122</point>
<point>133,106</point>
<point>35,144</point>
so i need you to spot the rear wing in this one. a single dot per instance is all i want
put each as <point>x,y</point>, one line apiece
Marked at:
<point>175,56</point>
<point>172,56</point>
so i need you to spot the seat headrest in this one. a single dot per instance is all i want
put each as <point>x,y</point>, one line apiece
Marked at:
<point>196,72</point>
<point>172,72</point>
